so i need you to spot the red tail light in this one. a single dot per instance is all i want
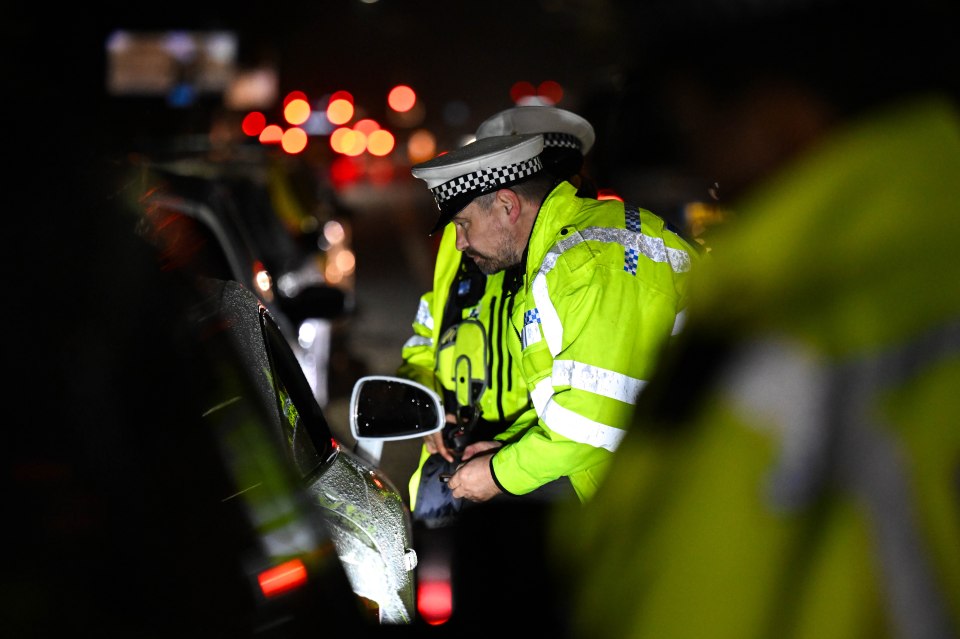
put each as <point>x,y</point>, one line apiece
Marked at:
<point>435,601</point>
<point>283,578</point>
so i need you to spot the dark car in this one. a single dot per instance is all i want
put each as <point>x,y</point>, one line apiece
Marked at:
<point>167,468</point>
<point>364,512</point>
<point>146,495</point>
<point>219,218</point>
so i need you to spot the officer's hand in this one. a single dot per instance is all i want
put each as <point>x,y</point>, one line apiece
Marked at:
<point>474,480</point>
<point>434,442</point>
<point>478,447</point>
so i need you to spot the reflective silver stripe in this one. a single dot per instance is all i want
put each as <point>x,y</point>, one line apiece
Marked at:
<point>424,318</point>
<point>653,248</point>
<point>549,319</point>
<point>541,394</point>
<point>679,322</point>
<point>418,340</point>
<point>597,380</point>
<point>531,334</point>
<point>571,425</point>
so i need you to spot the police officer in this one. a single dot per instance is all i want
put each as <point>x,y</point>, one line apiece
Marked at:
<point>463,322</point>
<point>600,289</point>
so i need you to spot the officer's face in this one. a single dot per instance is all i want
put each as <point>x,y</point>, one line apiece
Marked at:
<point>485,234</point>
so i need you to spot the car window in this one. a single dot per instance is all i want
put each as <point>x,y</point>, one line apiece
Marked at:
<point>305,428</point>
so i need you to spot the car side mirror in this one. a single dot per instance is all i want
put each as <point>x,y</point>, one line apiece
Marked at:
<point>385,408</point>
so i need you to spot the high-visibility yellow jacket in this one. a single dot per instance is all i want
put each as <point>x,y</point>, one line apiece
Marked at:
<point>809,487</point>
<point>604,289</point>
<point>505,396</point>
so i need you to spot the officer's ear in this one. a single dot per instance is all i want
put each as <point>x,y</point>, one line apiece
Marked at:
<point>509,202</point>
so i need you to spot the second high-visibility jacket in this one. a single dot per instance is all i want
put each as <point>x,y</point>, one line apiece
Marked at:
<point>505,396</point>
<point>605,286</point>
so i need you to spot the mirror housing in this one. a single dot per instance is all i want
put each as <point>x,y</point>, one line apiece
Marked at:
<point>391,408</point>
<point>385,408</point>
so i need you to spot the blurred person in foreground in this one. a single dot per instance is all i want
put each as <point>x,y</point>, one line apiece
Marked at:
<point>600,289</point>
<point>463,322</point>
<point>794,471</point>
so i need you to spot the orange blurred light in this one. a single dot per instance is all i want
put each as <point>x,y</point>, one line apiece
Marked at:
<point>366,126</point>
<point>354,144</point>
<point>253,123</point>
<point>435,601</point>
<point>271,134</point>
<point>421,146</point>
<point>380,142</point>
<point>339,111</point>
<point>550,91</point>
<point>294,95</point>
<point>297,111</point>
<point>294,140</point>
<point>401,98</point>
<point>283,578</point>
<point>522,89</point>
<point>338,139</point>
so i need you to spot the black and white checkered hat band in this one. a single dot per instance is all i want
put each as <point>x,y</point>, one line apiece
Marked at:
<point>485,180</point>
<point>561,141</point>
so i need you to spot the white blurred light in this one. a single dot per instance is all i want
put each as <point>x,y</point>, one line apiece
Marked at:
<point>180,45</point>
<point>263,282</point>
<point>252,89</point>
<point>334,232</point>
<point>307,334</point>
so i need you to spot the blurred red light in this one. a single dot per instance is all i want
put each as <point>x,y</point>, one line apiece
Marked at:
<point>522,89</point>
<point>435,601</point>
<point>294,95</point>
<point>608,194</point>
<point>283,578</point>
<point>341,95</point>
<point>550,91</point>
<point>253,123</point>
<point>344,171</point>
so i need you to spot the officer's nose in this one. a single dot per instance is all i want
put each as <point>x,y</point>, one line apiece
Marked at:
<point>462,243</point>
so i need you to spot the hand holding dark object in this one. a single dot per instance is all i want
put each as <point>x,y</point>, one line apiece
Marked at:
<point>477,448</point>
<point>473,479</point>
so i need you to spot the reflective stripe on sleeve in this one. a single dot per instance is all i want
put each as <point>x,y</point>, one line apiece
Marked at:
<point>571,425</point>
<point>597,380</point>
<point>678,323</point>
<point>424,318</point>
<point>549,319</point>
<point>418,340</point>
